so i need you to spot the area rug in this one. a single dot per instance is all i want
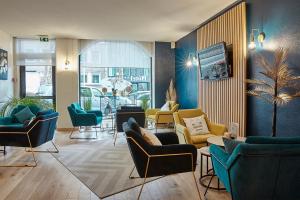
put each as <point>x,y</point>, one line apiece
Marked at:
<point>101,166</point>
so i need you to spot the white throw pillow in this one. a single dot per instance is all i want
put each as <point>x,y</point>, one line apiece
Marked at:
<point>165,107</point>
<point>196,125</point>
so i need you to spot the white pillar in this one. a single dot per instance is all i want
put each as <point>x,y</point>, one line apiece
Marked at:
<point>67,81</point>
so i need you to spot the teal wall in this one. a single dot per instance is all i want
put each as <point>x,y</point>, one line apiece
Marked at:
<point>186,78</point>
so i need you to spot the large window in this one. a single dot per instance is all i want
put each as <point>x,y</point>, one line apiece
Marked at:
<point>114,73</point>
<point>36,62</point>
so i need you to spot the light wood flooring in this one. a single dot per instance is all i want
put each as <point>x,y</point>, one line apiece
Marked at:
<point>51,180</point>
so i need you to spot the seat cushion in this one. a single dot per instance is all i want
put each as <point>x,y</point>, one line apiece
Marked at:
<point>150,138</point>
<point>196,139</point>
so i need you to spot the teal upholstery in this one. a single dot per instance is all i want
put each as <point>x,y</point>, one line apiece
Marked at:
<point>24,115</point>
<point>79,118</point>
<point>261,168</point>
<point>11,120</point>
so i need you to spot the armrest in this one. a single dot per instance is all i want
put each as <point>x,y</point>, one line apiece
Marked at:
<point>219,155</point>
<point>164,113</point>
<point>167,138</point>
<point>5,120</point>
<point>152,111</point>
<point>184,131</point>
<point>217,129</point>
<point>98,113</point>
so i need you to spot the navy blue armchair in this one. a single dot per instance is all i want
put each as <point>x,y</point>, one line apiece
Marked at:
<point>151,161</point>
<point>80,118</point>
<point>40,131</point>
<point>261,168</point>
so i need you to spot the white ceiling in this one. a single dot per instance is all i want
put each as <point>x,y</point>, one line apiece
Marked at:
<point>141,20</point>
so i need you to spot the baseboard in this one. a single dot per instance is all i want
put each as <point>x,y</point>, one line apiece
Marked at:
<point>66,129</point>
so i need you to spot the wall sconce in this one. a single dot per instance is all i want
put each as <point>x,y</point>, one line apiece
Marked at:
<point>67,62</point>
<point>260,38</point>
<point>191,60</point>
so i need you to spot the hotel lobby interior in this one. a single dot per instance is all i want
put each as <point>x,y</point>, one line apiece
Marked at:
<point>150,100</point>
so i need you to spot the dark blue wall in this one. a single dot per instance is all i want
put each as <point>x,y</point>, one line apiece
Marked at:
<point>186,78</point>
<point>280,20</point>
<point>164,71</point>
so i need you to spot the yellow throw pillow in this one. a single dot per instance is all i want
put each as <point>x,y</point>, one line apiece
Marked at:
<point>150,137</point>
<point>196,125</point>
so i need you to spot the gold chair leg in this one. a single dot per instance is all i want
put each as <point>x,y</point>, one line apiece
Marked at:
<point>144,181</point>
<point>130,175</point>
<point>115,137</point>
<point>25,165</point>
<point>37,151</point>
<point>196,185</point>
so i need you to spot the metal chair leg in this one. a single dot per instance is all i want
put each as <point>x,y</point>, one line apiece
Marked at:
<point>196,185</point>
<point>84,138</point>
<point>130,175</point>
<point>32,153</point>
<point>40,151</point>
<point>115,137</point>
<point>144,179</point>
<point>212,176</point>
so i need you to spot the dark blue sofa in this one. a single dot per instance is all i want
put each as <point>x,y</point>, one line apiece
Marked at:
<point>40,131</point>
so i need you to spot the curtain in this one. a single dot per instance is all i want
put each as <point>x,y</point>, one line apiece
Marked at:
<point>124,54</point>
<point>34,52</point>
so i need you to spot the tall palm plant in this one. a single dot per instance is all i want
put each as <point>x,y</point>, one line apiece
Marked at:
<point>279,86</point>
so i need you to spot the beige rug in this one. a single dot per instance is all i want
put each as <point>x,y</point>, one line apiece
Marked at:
<point>103,168</point>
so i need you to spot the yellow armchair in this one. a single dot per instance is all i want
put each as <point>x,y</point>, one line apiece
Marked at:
<point>160,118</point>
<point>198,140</point>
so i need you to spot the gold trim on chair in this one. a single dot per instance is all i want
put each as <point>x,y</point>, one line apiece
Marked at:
<point>29,141</point>
<point>162,155</point>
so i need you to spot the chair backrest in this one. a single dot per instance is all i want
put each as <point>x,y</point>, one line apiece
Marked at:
<point>127,112</point>
<point>72,113</point>
<point>265,171</point>
<point>137,145</point>
<point>42,128</point>
<point>187,113</point>
<point>76,106</point>
<point>33,108</point>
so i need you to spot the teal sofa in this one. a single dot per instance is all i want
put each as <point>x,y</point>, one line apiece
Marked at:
<point>11,119</point>
<point>262,168</point>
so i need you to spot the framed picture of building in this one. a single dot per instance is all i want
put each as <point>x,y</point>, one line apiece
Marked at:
<point>3,65</point>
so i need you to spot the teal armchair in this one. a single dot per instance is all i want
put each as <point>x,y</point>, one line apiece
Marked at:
<point>80,118</point>
<point>261,168</point>
<point>11,119</point>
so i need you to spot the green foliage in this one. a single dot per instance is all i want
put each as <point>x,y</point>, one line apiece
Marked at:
<point>145,103</point>
<point>87,103</point>
<point>27,101</point>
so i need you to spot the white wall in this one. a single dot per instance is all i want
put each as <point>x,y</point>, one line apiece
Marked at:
<point>7,86</point>
<point>66,80</point>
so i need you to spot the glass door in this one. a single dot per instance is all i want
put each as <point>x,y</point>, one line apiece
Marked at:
<point>38,82</point>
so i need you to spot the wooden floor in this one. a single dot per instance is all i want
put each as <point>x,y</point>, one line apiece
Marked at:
<point>51,180</point>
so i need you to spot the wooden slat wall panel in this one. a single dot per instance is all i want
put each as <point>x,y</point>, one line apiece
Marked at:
<point>224,101</point>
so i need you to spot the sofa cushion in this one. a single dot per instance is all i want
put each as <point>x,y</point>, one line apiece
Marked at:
<point>150,138</point>
<point>196,125</point>
<point>80,111</point>
<point>272,140</point>
<point>24,114</point>
<point>45,112</point>
<point>197,139</point>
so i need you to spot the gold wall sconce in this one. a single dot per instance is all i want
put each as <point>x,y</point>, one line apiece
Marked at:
<point>260,38</point>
